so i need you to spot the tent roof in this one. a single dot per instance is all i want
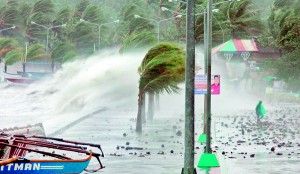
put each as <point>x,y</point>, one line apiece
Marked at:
<point>236,45</point>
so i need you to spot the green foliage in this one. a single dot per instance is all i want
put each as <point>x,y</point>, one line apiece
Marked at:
<point>80,8</point>
<point>287,68</point>
<point>8,43</point>
<point>83,38</point>
<point>290,34</point>
<point>34,52</point>
<point>9,15</point>
<point>162,69</point>
<point>242,18</point>
<point>25,12</point>
<point>63,51</point>
<point>138,40</point>
<point>43,6</point>
<point>93,14</point>
<point>284,33</point>
<point>69,56</point>
<point>84,35</point>
<point>130,24</point>
<point>284,24</point>
<point>63,16</point>
<point>12,57</point>
<point>41,13</point>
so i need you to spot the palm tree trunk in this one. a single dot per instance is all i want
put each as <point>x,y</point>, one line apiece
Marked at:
<point>24,68</point>
<point>52,65</point>
<point>144,109</point>
<point>139,125</point>
<point>5,68</point>
<point>157,104</point>
<point>151,106</point>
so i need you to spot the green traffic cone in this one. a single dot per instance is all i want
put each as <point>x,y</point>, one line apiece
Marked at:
<point>208,160</point>
<point>202,138</point>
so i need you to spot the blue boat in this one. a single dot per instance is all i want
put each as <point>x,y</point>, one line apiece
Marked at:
<point>13,157</point>
<point>25,166</point>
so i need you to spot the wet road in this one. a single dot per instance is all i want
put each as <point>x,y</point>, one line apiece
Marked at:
<point>163,149</point>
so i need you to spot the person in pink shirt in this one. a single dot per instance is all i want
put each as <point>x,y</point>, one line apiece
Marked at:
<point>215,87</point>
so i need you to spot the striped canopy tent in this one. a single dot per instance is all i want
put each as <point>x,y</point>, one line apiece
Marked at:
<point>242,47</point>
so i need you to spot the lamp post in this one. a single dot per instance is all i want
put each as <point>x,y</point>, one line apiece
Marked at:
<point>99,28</point>
<point>204,12</point>
<point>208,98</point>
<point>158,23</point>
<point>208,159</point>
<point>13,27</point>
<point>202,137</point>
<point>213,10</point>
<point>48,30</point>
<point>47,42</point>
<point>219,3</point>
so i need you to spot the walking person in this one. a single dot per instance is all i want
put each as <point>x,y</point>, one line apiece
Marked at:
<point>260,111</point>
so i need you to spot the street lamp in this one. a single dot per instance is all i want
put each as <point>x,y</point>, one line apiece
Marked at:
<point>214,10</point>
<point>202,5</point>
<point>47,42</point>
<point>13,27</point>
<point>99,28</point>
<point>158,22</point>
<point>48,29</point>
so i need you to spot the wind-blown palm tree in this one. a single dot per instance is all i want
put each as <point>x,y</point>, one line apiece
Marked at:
<point>6,45</point>
<point>138,40</point>
<point>161,70</point>
<point>240,19</point>
<point>284,23</point>
<point>84,34</point>
<point>42,13</point>
<point>80,8</point>
<point>63,52</point>
<point>134,31</point>
<point>63,16</point>
<point>34,52</point>
<point>284,33</point>
<point>9,16</point>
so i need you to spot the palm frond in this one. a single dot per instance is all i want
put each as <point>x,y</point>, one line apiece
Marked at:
<point>8,43</point>
<point>36,51</point>
<point>13,56</point>
<point>138,40</point>
<point>43,6</point>
<point>162,69</point>
<point>93,14</point>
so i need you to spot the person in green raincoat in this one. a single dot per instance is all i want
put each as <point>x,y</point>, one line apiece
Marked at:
<point>260,111</point>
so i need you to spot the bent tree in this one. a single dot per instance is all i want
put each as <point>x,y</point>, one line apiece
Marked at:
<point>161,70</point>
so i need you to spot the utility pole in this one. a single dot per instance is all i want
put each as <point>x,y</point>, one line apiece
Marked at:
<point>208,97</point>
<point>205,66</point>
<point>202,137</point>
<point>208,159</point>
<point>189,89</point>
